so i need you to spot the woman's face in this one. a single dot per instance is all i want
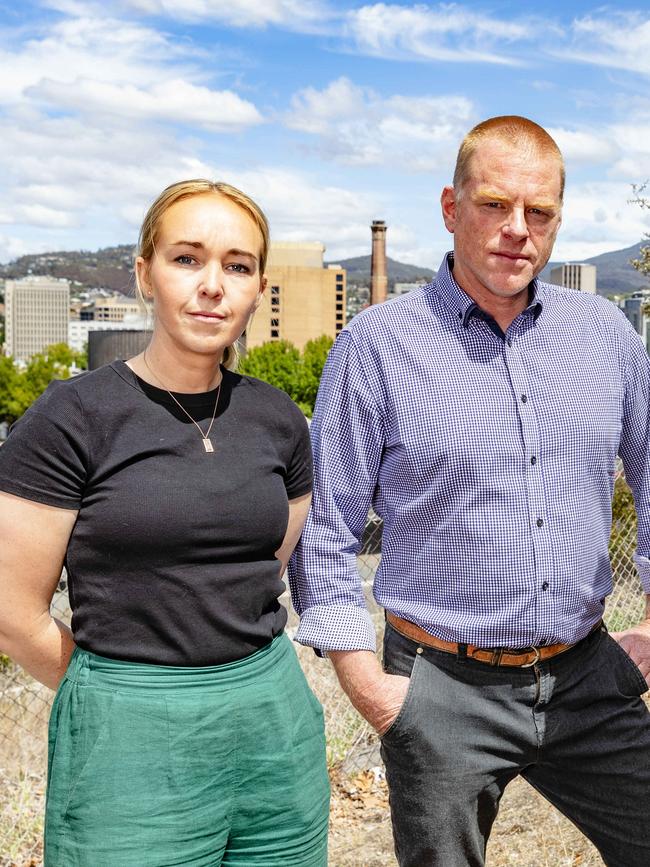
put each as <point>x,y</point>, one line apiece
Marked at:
<point>204,276</point>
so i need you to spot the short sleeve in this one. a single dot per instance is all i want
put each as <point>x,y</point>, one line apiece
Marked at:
<point>299,475</point>
<point>45,455</point>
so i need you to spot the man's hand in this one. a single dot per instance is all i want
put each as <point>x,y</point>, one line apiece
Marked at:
<point>636,643</point>
<point>376,695</point>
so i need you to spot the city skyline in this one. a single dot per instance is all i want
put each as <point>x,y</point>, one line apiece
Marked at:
<point>331,114</point>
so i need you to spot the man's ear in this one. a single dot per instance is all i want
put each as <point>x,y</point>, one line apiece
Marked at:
<point>448,204</point>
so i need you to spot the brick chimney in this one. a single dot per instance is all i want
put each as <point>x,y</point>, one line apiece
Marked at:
<point>378,273</point>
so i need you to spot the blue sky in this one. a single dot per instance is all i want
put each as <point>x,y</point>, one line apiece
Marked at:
<point>330,113</point>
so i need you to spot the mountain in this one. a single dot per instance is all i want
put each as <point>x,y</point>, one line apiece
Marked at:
<point>615,275</point>
<point>358,269</point>
<point>109,268</point>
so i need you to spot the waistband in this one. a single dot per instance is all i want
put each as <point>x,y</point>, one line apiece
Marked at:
<point>89,669</point>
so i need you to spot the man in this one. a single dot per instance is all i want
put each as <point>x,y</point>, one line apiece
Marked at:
<point>481,417</point>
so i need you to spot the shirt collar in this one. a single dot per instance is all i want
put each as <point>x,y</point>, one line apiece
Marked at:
<point>464,308</point>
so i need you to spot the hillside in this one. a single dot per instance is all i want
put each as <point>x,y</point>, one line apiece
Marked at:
<point>615,275</point>
<point>109,268</point>
<point>358,269</point>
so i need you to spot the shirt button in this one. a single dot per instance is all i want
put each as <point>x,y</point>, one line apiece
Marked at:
<point>533,460</point>
<point>524,398</point>
<point>510,341</point>
<point>545,585</point>
<point>540,522</point>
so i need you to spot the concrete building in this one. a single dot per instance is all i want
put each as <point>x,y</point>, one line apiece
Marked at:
<point>580,276</point>
<point>303,299</point>
<point>107,346</point>
<point>637,307</point>
<point>115,308</point>
<point>79,330</point>
<point>36,315</point>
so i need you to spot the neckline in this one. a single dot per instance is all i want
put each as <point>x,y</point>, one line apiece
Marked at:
<point>161,395</point>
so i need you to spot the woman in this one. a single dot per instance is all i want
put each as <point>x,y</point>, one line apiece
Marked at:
<point>183,731</point>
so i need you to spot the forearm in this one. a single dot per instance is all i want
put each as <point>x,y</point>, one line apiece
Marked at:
<point>43,648</point>
<point>376,695</point>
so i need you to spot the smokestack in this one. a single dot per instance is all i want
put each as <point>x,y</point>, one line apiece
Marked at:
<point>378,274</point>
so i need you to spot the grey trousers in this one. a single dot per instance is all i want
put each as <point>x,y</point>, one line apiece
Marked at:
<point>574,726</point>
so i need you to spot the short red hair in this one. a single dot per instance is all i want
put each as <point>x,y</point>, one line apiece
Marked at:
<point>512,130</point>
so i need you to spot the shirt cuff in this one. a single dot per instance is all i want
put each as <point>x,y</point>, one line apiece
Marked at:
<point>643,568</point>
<point>337,627</point>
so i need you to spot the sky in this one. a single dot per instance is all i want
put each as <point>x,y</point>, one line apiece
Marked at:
<point>330,113</point>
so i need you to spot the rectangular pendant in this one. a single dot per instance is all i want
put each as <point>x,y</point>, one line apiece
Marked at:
<point>207,444</point>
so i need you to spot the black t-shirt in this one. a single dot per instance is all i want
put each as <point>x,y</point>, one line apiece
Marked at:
<point>171,559</point>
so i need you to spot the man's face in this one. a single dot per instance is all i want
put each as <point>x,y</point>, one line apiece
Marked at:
<point>504,221</point>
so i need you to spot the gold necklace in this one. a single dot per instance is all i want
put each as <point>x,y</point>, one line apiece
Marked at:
<point>207,442</point>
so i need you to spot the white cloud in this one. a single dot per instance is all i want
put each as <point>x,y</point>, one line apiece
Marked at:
<point>176,101</point>
<point>357,126</point>
<point>585,146</point>
<point>598,217</point>
<point>101,65</point>
<point>300,15</point>
<point>620,40</point>
<point>449,32</point>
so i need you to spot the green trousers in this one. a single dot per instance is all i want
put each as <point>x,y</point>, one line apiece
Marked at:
<point>153,766</point>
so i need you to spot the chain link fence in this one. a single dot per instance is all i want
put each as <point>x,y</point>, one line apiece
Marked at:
<point>352,746</point>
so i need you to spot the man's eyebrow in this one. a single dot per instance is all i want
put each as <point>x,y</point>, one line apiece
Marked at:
<point>492,196</point>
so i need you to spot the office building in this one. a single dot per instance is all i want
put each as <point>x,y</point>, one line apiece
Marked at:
<point>578,276</point>
<point>79,330</point>
<point>303,299</point>
<point>637,309</point>
<point>36,315</point>
<point>116,308</point>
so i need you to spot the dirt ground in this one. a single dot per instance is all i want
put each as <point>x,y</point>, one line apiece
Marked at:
<point>528,831</point>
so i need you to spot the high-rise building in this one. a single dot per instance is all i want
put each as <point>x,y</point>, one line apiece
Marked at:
<point>580,276</point>
<point>303,299</point>
<point>36,315</point>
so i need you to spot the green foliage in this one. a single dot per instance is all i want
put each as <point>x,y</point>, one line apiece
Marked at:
<point>643,263</point>
<point>19,387</point>
<point>282,365</point>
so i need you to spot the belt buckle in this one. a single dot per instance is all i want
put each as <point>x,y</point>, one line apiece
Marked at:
<point>538,656</point>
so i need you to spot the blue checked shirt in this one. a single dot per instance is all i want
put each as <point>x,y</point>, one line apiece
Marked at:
<point>490,460</point>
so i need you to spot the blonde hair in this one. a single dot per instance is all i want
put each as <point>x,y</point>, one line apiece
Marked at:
<point>150,229</point>
<point>512,130</point>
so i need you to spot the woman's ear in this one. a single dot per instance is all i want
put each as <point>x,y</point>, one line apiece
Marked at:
<point>142,280</point>
<point>263,285</point>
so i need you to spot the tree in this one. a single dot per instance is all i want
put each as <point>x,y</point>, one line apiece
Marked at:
<point>314,356</point>
<point>20,388</point>
<point>643,263</point>
<point>276,362</point>
<point>281,364</point>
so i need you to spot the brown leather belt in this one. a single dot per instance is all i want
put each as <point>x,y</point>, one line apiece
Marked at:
<point>520,657</point>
